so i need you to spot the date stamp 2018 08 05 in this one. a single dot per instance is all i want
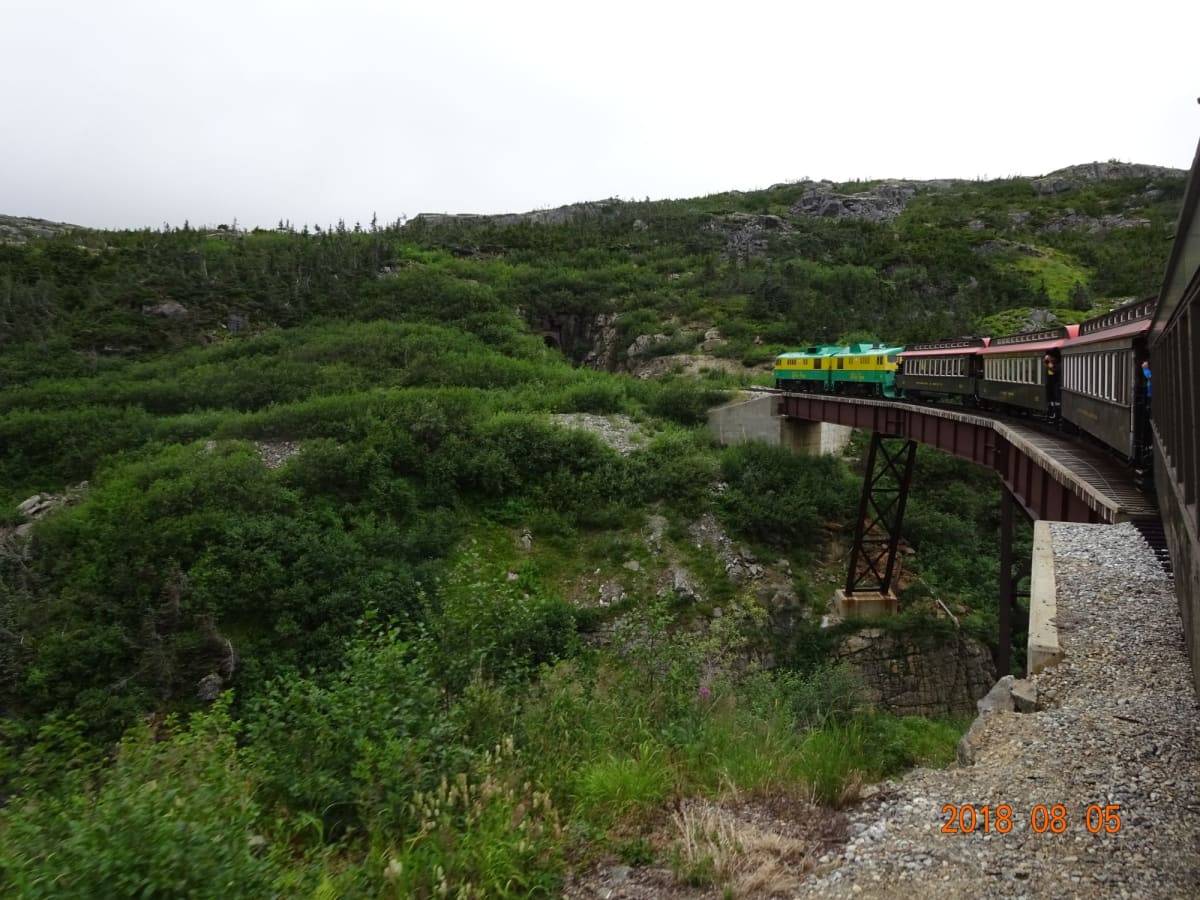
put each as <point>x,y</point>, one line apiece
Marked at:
<point>1098,818</point>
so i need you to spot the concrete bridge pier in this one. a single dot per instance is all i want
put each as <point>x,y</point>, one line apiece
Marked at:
<point>756,417</point>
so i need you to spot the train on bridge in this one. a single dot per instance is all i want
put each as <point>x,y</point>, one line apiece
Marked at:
<point>1093,377</point>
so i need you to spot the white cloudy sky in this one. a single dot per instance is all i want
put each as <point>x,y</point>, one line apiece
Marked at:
<point>139,112</point>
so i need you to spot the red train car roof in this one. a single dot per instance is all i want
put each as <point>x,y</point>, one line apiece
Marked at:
<point>1124,321</point>
<point>947,348</point>
<point>1051,339</point>
<point>1127,330</point>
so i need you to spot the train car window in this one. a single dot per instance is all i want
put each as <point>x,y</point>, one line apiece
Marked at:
<point>841,363</point>
<point>892,358</point>
<point>816,363</point>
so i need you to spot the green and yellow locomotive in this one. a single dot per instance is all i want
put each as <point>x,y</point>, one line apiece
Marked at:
<point>867,370</point>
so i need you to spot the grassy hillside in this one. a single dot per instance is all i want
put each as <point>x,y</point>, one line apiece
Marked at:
<point>458,644</point>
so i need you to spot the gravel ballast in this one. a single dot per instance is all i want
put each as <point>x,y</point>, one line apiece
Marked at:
<point>1116,734</point>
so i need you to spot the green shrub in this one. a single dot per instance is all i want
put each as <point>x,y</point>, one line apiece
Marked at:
<point>782,498</point>
<point>173,818</point>
<point>684,401</point>
<point>373,734</point>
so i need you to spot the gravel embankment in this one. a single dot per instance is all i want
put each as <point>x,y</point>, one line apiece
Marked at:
<point>1118,725</point>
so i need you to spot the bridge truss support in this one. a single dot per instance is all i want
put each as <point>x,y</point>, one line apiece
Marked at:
<point>880,515</point>
<point>1012,577</point>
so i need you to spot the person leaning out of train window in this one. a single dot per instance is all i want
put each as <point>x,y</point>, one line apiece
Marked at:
<point>1146,375</point>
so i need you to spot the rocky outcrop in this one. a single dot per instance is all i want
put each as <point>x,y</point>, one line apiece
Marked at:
<point>881,204</point>
<point>602,351</point>
<point>1073,221</point>
<point>559,215</point>
<point>587,340</point>
<point>33,508</point>
<point>746,234</point>
<point>712,340</point>
<point>19,229</point>
<point>645,343</point>
<point>692,364</point>
<point>921,674</point>
<point>1074,177</point>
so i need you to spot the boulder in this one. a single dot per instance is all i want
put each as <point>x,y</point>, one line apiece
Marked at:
<point>1024,695</point>
<point>681,584</point>
<point>998,699</point>
<point>209,687</point>
<point>644,343</point>
<point>168,309</point>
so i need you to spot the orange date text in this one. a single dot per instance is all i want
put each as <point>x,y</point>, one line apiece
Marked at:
<point>1098,818</point>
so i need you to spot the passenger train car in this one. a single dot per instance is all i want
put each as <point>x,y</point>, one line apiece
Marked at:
<point>1084,376</point>
<point>943,369</point>
<point>1022,370</point>
<point>1103,389</point>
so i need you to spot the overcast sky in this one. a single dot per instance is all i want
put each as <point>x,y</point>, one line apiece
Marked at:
<point>130,113</point>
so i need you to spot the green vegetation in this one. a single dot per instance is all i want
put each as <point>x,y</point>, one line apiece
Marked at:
<point>419,690</point>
